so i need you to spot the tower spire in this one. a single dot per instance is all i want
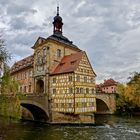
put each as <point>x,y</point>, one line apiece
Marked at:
<point>57,8</point>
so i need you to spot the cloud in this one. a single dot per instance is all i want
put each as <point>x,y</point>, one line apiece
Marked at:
<point>107,30</point>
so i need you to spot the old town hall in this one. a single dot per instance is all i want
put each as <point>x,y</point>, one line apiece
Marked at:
<point>62,72</point>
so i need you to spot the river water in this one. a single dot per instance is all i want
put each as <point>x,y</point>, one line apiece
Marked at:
<point>107,128</point>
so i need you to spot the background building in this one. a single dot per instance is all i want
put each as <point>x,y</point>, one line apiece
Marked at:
<point>109,86</point>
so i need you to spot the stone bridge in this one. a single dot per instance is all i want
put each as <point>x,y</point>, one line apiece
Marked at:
<point>105,103</point>
<point>37,105</point>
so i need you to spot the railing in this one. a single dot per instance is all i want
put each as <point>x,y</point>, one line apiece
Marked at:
<point>34,94</point>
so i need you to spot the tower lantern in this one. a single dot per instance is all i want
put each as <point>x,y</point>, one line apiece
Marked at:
<point>57,23</point>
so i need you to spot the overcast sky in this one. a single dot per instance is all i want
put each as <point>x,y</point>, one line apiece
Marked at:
<point>108,30</point>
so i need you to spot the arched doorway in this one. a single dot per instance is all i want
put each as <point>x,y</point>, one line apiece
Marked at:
<point>101,107</point>
<point>40,86</point>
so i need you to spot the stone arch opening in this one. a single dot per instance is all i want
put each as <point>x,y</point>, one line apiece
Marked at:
<point>37,112</point>
<point>40,86</point>
<point>101,107</point>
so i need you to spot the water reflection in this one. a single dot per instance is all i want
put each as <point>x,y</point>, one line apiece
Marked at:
<point>108,128</point>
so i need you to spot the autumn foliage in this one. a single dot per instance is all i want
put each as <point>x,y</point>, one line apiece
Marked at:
<point>129,95</point>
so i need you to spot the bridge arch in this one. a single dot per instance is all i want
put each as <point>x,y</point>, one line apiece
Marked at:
<point>106,103</point>
<point>101,107</point>
<point>37,111</point>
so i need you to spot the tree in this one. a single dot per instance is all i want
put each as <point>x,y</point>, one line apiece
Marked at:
<point>129,95</point>
<point>9,100</point>
<point>134,84</point>
<point>4,55</point>
<point>124,104</point>
<point>9,97</point>
<point>8,85</point>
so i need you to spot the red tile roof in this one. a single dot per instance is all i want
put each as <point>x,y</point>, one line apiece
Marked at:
<point>68,63</point>
<point>109,82</point>
<point>26,62</point>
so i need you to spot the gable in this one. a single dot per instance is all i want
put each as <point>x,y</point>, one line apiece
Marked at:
<point>39,41</point>
<point>85,65</point>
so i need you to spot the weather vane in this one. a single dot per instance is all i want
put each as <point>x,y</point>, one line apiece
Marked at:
<point>57,7</point>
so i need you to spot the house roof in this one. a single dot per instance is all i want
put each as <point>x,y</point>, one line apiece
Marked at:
<point>108,82</point>
<point>68,63</point>
<point>60,38</point>
<point>24,63</point>
<point>56,37</point>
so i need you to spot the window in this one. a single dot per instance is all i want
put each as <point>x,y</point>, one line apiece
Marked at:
<point>70,78</point>
<point>56,105</point>
<point>92,104</point>
<point>48,47</point>
<point>70,90</point>
<point>69,105</point>
<point>58,53</point>
<point>77,90</point>
<point>92,80</point>
<point>30,73</point>
<point>85,79</point>
<point>24,88</point>
<point>93,90</point>
<point>87,90</point>
<point>54,80</point>
<point>38,54</point>
<point>29,88</point>
<point>81,90</point>
<point>73,62</point>
<point>21,89</point>
<point>44,52</point>
<point>84,104</point>
<point>54,91</point>
<point>25,76</point>
<point>62,105</point>
<point>78,78</point>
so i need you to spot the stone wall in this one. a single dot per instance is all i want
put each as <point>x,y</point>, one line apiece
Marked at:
<point>70,118</point>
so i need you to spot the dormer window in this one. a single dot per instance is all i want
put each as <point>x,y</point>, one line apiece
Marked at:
<point>58,53</point>
<point>61,64</point>
<point>72,62</point>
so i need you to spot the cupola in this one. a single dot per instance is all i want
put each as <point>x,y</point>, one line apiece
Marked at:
<point>57,23</point>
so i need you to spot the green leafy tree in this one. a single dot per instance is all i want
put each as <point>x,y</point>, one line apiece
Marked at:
<point>9,99</point>
<point>4,55</point>
<point>8,85</point>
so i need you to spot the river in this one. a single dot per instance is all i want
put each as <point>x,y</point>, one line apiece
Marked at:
<point>107,128</point>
